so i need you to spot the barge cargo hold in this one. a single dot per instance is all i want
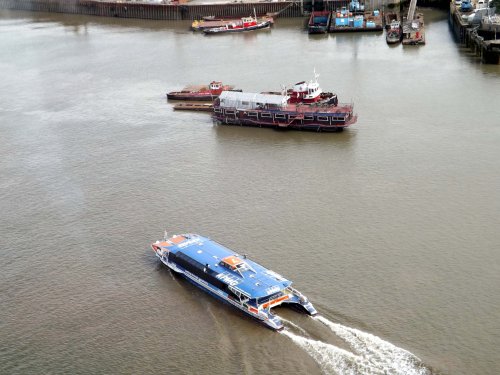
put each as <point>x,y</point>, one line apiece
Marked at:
<point>319,22</point>
<point>275,111</point>
<point>234,279</point>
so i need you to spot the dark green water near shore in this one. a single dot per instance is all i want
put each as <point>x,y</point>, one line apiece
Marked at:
<point>390,228</point>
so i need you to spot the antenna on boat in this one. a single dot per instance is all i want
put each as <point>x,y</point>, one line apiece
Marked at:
<point>283,90</point>
<point>165,235</point>
<point>316,75</point>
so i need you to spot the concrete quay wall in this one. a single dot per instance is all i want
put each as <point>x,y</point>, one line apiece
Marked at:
<point>168,11</point>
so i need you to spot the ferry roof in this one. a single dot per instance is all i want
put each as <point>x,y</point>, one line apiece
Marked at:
<point>241,273</point>
<point>234,98</point>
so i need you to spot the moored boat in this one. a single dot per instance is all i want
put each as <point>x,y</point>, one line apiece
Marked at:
<point>394,33</point>
<point>200,92</point>
<point>244,24</point>
<point>231,277</point>
<point>310,92</point>
<point>275,111</point>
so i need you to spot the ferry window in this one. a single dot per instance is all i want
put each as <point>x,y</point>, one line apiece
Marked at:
<point>244,103</point>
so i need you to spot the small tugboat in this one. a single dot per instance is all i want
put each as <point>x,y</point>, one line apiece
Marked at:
<point>275,111</point>
<point>200,92</point>
<point>310,92</point>
<point>394,33</point>
<point>231,277</point>
<point>244,24</point>
<point>319,22</point>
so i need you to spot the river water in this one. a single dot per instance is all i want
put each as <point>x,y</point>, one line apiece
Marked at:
<point>391,228</point>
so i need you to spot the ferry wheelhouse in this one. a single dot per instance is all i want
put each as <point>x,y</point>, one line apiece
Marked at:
<point>277,111</point>
<point>231,277</point>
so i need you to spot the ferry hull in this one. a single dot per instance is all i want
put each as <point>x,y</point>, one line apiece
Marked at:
<point>299,124</point>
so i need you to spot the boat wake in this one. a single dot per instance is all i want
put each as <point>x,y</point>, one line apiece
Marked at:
<point>295,326</point>
<point>368,353</point>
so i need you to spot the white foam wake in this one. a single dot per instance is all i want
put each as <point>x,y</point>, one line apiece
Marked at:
<point>296,326</point>
<point>333,360</point>
<point>380,354</point>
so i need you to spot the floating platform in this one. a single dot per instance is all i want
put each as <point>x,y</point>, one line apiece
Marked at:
<point>350,22</point>
<point>414,31</point>
<point>200,107</point>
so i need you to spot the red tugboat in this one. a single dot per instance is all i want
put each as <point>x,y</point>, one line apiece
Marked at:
<point>307,93</point>
<point>310,92</point>
<point>200,92</point>
<point>245,24</point>
<point>394,33</point>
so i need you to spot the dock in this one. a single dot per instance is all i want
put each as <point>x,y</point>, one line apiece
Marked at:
<point>481,37</point>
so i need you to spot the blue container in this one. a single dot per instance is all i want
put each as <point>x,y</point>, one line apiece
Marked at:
<point>375,12</point>
<point>370,24</point>
<point>341,21</point>
<point>358,22</point>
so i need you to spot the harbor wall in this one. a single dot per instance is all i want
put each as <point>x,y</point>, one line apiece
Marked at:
<point>157,11</point>
<point>184,11</point>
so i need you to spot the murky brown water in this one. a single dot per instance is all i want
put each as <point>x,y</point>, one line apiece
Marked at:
<point>390,228</point>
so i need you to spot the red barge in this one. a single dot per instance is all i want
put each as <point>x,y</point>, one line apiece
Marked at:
<point>200,92</point>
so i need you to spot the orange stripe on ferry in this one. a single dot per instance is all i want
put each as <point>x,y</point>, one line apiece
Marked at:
<point>274,301</point>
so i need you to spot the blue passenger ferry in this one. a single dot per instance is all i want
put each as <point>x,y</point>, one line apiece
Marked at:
<point>231,277</point>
